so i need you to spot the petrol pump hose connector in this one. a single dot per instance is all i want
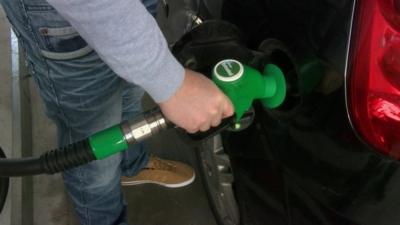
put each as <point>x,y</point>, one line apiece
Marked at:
<point>140,129</point>
<point>118,138</point>
<point>243,84</point>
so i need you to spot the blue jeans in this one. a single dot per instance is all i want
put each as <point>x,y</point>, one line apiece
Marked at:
<point>81,95</point>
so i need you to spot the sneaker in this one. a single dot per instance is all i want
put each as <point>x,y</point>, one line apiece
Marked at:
<point>166,173</point>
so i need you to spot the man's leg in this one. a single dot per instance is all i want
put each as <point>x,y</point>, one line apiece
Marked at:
<point>82,95</point>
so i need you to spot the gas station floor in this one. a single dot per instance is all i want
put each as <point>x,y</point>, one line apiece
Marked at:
<point>147,204</point>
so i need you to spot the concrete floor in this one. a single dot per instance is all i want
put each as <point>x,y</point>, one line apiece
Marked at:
<point>147,204</point>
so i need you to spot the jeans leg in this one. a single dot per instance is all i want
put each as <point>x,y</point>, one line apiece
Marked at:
<point>81,95</point>
<point>96,192</point>
<point>95,188</point>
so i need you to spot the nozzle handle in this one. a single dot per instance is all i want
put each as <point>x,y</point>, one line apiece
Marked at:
<point>225,123</point>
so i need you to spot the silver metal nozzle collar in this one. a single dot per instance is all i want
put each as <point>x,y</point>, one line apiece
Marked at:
<point>139,129</point>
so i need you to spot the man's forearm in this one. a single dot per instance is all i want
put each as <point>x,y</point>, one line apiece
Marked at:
<point>128,39</point>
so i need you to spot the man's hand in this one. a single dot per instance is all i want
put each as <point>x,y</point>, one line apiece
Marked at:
<point>197,105</point>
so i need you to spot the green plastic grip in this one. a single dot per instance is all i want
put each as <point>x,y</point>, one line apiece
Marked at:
<point>108,142</point>
<point>243,84</point>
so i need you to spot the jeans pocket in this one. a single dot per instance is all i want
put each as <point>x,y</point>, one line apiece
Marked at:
<point>63,43</point>
<point>56,38</point>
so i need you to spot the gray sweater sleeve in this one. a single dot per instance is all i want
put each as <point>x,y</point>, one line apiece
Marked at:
<point>128,39</point>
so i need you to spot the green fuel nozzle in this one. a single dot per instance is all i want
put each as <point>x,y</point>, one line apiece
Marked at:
<point>243,84</point>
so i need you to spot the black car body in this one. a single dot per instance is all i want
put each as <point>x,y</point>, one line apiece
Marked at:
<point>329,154</point>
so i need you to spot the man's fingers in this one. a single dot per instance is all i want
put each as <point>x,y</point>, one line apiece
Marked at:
<point>205,127</point>
<point>197,105</point>
<point>228,109</point>
<point>216,121</point>
<point>191,130</point>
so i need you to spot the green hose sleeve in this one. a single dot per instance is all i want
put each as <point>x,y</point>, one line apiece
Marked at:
<point>108,142</point>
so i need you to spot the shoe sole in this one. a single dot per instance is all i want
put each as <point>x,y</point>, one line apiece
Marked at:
<point>178,185</point>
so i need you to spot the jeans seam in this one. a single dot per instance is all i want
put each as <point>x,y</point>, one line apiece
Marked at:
<point>35,8</point>
<point>28,27</point>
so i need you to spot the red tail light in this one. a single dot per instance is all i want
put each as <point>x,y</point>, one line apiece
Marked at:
<point>374,74</point>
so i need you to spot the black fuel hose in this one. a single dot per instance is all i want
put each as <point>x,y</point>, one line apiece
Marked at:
<point>98,146</point>
<point>50,162</point>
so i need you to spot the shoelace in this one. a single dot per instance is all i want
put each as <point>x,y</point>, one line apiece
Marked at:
<point>159,164</point>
